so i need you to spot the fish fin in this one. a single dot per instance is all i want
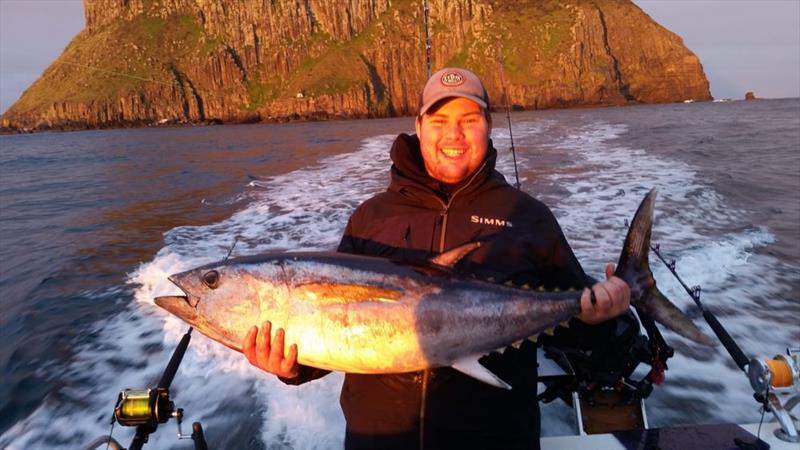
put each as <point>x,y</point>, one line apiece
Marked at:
<point>472,367</point>
<point>451,257</point>
<point>634,268</point>
<point>657,306</point>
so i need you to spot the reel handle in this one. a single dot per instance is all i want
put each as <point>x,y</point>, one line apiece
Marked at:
<point>199,437</point>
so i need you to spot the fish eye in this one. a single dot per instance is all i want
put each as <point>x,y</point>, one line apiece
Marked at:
<point>211,279</point>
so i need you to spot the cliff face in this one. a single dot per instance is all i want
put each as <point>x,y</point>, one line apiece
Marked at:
<point>156,61</point>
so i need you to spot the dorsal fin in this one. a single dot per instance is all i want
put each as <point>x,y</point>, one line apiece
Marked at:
<point>451,257</point>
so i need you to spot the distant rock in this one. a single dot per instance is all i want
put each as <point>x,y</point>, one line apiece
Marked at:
<point>139,62</point>
<point>749,96</point>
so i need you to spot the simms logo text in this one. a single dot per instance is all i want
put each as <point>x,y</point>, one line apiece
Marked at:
<point>490,221</point>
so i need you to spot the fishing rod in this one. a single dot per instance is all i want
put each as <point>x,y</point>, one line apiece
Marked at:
<point>780,374</point>
<point>113,72</point>
<point>426,12</point>
<point>508,116</point>
<point>733,349</point>
<point>147,408</point>
<point>426,15</point>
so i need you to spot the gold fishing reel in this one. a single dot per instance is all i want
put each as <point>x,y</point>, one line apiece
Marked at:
<point>146,408</point>
<point>143,407</point>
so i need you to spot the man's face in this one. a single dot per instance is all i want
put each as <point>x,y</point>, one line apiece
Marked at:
<point>454,139</point>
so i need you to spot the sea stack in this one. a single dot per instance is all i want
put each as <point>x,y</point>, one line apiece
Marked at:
<point>749,96</point>
<point>152,62</point>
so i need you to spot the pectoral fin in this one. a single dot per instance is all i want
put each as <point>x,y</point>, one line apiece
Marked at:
<point>472,367</point>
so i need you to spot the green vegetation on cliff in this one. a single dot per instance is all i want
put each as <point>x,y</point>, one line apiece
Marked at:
<point>144,61</point>
<point>121,59</point>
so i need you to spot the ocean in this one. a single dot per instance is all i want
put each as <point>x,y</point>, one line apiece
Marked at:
<point>92,223</point>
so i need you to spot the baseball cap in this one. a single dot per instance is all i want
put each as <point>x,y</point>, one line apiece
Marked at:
<point>453,82</point>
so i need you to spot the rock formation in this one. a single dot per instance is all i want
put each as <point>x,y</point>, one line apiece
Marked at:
<point>749,95</point>
<point>160,61</point>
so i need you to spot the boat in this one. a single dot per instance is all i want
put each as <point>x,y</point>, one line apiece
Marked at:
<point>147,408</point>
<point>719,436</point>
<point>781,375</point>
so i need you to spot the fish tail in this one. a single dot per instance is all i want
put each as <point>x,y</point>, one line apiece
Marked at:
<point>634,268</point>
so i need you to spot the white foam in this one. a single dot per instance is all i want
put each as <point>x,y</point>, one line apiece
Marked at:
<point>307,210</point>
<point>605,183</point>
<point>303,210</point>
<point>525,134</point>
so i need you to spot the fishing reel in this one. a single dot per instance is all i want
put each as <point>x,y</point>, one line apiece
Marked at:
<point>143,407</point>
<point>148,408</point>
<point>779,375</point>
<point>602,359</point>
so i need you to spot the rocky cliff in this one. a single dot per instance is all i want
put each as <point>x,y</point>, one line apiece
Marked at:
<point>159,61</point>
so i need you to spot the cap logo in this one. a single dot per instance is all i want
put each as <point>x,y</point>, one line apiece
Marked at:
<point>452,79</point>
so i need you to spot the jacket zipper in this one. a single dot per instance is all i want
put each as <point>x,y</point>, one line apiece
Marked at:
<point>442,234</point>
<point>446,207</point>
<point>444,227</point>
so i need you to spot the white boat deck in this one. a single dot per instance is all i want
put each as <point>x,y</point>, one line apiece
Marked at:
<point>667,442</point>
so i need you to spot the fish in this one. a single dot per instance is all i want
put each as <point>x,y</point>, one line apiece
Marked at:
<point>370,315</point>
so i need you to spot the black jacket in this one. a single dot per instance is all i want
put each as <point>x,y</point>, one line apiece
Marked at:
<point>415,218</point>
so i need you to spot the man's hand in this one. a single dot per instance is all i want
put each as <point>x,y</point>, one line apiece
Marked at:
<point>270,357</point>
<point>613,298</point>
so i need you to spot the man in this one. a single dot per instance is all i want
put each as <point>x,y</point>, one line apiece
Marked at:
<point>444,193</point>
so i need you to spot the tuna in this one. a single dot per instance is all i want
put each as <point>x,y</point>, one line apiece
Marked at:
<point>372,315</point>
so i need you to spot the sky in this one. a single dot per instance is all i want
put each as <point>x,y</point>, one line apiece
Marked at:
<point>744,45</point>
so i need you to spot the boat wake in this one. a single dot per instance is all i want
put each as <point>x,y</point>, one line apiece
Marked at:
<point>583,171</point>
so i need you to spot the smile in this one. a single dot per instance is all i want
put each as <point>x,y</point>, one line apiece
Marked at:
<point>453,152</point>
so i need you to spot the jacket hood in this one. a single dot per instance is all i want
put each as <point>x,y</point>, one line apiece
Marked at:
<point>408,169</point>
